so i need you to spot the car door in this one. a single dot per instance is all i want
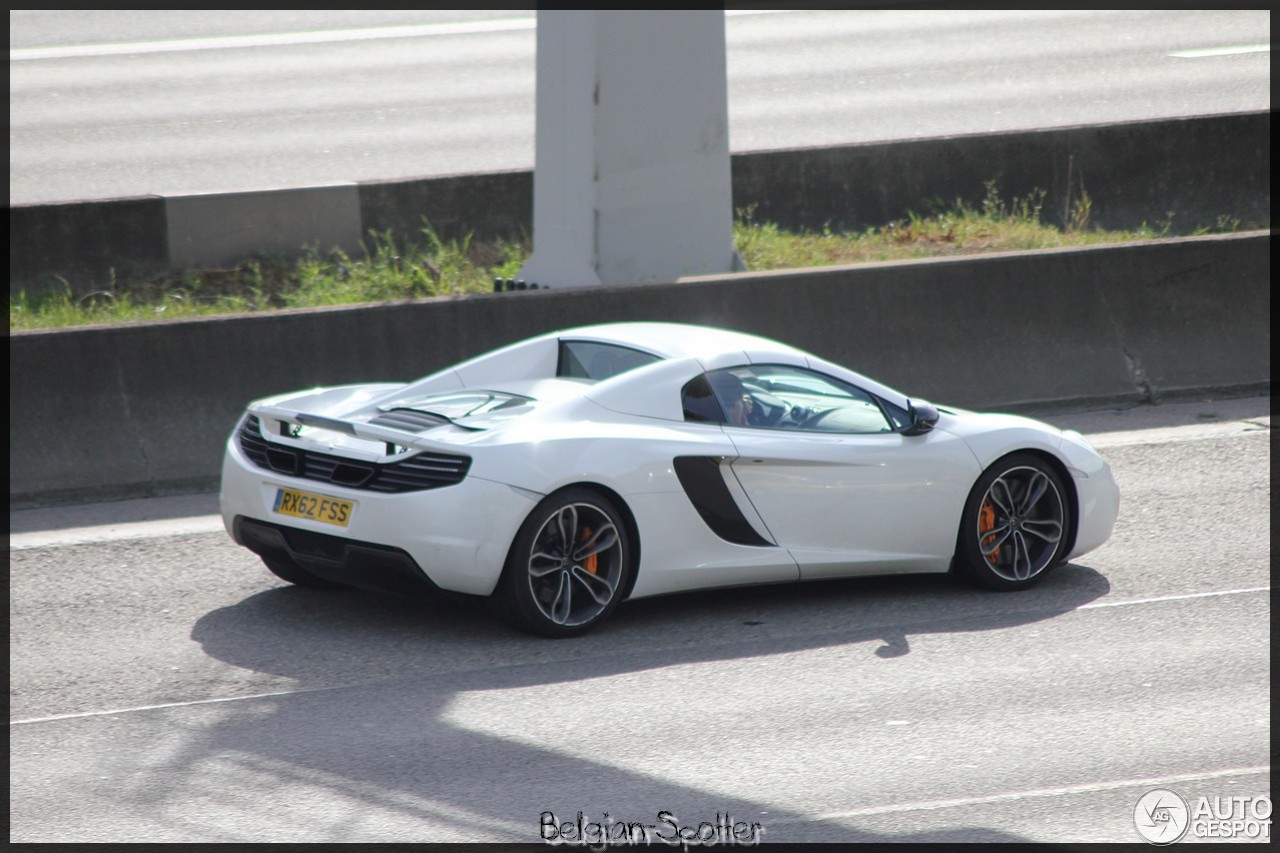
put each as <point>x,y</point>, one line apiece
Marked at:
<point>835,482</point>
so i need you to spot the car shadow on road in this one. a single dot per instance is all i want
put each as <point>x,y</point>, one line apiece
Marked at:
<point>408,706</point>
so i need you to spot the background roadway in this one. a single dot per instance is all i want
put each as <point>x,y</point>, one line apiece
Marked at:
<point>109,103</point>
<point>164,687</point>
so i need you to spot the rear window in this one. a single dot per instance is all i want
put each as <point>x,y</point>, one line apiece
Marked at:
<point>595,361</point>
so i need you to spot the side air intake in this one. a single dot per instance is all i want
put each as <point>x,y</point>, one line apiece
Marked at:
<point>704,484</point>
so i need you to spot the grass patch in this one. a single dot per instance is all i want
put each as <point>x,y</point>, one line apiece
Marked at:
<point>436,267</point>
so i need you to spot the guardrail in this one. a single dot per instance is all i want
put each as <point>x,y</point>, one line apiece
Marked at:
<point>134,410</point>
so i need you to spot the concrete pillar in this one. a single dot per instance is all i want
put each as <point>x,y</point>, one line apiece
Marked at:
<point>631,177</point>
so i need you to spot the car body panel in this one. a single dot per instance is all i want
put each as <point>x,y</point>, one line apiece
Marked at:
<point>458,536</point>
<point>1098,496</point>
<point>679,556</point>
<point>904,496</point>
<point>712,504</point>
<point>646,392</point>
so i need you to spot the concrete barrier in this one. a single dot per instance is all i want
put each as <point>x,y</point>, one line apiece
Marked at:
<point>219,229</point>
<point>143,409</point>
<point>1186,173</point>
<point>84,246</point>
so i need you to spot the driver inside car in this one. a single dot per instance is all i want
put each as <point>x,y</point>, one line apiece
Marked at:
<point>733,396</point>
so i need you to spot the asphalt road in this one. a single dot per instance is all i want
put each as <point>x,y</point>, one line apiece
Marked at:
<point>109,103</point>
<point>165,688</point>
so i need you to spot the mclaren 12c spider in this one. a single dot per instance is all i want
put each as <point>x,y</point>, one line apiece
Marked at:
<point>566,473</point>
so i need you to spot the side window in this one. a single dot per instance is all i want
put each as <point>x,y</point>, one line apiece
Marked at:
<point>790,398</point>
<point>700,404</point>
<point>597,361</point>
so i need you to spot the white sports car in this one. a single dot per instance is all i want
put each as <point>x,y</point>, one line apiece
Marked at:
<point>568,472</point>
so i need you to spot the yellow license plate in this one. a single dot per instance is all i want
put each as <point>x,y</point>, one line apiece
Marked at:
<point>313,507</point>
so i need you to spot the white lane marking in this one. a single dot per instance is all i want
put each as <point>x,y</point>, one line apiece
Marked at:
<point>115,532</point>
<point>1222,51</point>
<point>251,697</point>
<point>1085,788</point>
<point>1162,598</point>
<point>503,25</point>
<point>271,39</point>
<point>166,705</point>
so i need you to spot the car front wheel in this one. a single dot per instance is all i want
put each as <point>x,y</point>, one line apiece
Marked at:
<point>569,566</point>
<point>1015,525</point>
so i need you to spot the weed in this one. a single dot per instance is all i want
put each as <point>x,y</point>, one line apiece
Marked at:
<point>385,270</point>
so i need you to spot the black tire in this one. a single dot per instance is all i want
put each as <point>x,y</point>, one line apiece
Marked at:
<point>557,591</point>
<point>1016,524</point>
<point>288,570</point>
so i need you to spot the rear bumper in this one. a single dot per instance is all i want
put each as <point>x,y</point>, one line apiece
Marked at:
<point>456,538</point>
<point>365,565</point>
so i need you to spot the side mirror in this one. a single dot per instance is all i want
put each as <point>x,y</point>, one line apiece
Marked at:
<point>923,417</point>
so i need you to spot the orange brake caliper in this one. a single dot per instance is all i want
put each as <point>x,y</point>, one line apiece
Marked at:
<point>987,521</point>
<point>590,563</point>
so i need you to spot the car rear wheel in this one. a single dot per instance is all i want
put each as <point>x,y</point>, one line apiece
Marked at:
<point>288,570</point>
<point>570,565</point>
<point>1015,525</point>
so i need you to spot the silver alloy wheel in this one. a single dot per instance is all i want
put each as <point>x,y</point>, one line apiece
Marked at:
<point>1020,523</point>
<point>575,564</point>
